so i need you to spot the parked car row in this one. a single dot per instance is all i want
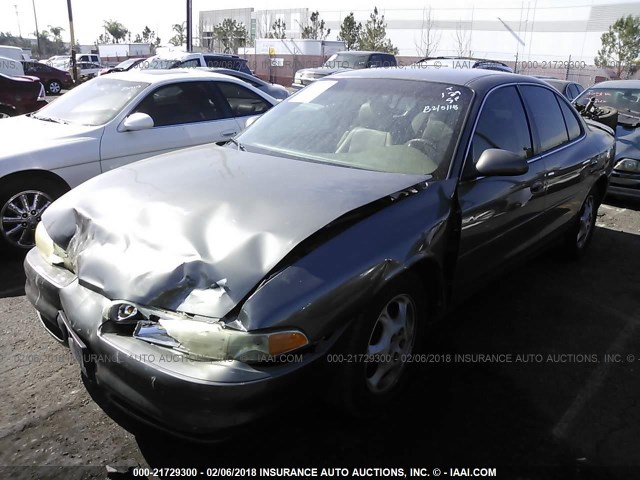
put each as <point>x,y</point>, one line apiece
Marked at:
<point>316,231</point>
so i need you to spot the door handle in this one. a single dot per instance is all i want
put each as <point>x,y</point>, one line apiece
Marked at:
<point>228,133</point>
<point>537,187</point>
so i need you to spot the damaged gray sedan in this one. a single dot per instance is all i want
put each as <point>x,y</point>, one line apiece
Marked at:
<point>196,287</point>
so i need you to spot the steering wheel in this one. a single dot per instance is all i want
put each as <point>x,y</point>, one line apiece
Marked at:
<point>427,147</point>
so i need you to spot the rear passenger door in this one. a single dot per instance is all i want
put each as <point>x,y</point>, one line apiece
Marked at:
<point>501,215</point>
<point>184,114</point>
<point>556,129</point>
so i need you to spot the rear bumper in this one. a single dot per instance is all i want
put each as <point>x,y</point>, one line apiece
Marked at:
<point>157,385</point>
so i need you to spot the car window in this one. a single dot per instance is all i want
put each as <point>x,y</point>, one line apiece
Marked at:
<point>573,126</point>
<point>375,60</point>
<point>242,100</point>
<point>180,103</point>
<point>546,116</point>
<point>194,62</point>
<point>502,124</point>
<point>572,91</point>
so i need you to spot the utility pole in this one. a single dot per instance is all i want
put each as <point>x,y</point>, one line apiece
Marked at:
<point>74,66</point>
<point>189,28</point>
<point>18,18</point>
<point>35,17</point>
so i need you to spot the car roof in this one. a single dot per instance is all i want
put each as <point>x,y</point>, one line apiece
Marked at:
<point>361,52</point>
<point>161,76</point>
<point>157,76</point>
<point>557,81</point>
<point>618,84</point>
<point>476,78</point>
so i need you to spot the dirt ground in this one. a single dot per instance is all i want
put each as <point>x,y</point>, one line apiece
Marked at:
<point>562,409</point>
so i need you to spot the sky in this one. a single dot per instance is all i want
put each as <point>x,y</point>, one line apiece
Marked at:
<point>89,15</point>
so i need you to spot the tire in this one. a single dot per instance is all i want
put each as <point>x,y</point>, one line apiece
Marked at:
<point>54,87</point>
<point>579,237</point>
<point>608,117</point>
<point>17,223</point>
<point>366,385</point>
<point>6,113</point>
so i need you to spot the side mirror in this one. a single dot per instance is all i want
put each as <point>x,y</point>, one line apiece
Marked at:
<point>495,162</point>
<point>250,122</point>
<point>137,121</point>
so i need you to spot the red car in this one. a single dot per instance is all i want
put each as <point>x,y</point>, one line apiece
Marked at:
<point>20,95</point>
<point>52,78</point>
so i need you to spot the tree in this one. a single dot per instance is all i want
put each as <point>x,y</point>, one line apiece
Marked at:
<point>278,29</point>
<point>429,39</point>
<point>350,32</point>
<point>374,35</point>
<point>620,45</point>
<point>231,34</point>
<point>180,37</point>
<point>463,41</point>
<point>57,33</point>
<point>116,30</point>
<point>315,29</point>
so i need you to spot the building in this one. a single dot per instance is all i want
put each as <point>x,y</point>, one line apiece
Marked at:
<point>529,31</point>
<point>257,22</point>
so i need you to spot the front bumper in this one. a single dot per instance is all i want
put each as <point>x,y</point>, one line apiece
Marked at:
<point>157,385</point>
<point>624,185</point>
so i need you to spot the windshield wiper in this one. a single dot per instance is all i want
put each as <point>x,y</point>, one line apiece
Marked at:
<point>238,144</point>
<point>50,119</point>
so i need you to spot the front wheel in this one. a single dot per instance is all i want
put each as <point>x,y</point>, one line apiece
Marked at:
<point>22,204</point>
<point>379,347</point>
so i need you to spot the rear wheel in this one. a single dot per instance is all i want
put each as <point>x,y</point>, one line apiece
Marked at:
<point>379,346</point>
<point>579,237</point>
<point>54,87</point>
<point>5,113</point>
<point>22,203</point>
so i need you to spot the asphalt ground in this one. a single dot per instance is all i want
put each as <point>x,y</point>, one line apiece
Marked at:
<point>536,375</point>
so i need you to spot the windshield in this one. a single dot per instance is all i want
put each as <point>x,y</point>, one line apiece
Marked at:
<point>92,103</point>
<point>401,126</point>
<point>625,100</point>
<point>347,60</point>
<point>127,63</point>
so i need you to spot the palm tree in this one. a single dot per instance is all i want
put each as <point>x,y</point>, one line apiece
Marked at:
<point>116,30</point>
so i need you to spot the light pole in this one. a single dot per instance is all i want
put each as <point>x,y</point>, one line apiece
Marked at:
<point>18,18</point>
<point>74,67</point>
<point>189,27</point>
<point>35,17</point>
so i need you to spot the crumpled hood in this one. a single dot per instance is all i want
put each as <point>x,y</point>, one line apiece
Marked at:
<point>627,142</point>
<point>196,230</point>
<point>41,135</point>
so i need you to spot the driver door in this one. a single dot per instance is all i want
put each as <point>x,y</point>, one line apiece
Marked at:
<point>501,215</point>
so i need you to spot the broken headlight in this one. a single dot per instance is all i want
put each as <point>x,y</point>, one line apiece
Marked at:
<point>48,249</point>
<point>203,339</point>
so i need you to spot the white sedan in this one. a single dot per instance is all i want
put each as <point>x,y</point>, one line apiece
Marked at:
<point>107,122</point>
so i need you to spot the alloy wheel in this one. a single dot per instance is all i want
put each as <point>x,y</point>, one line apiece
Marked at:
<point>392,338</point>
<point>585,222</point>
<point>20,215</point>
<point>54,87</point>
